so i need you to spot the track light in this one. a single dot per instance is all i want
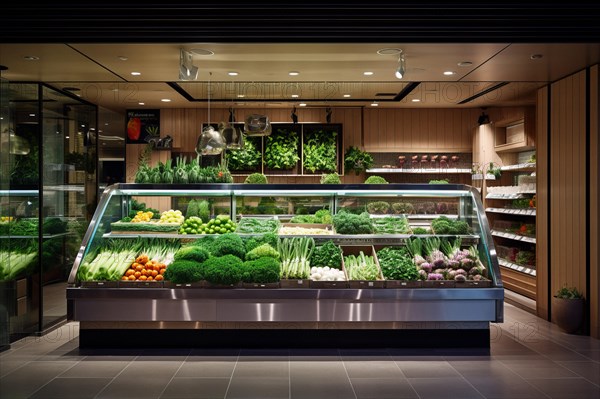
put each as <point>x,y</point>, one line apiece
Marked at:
<point>187,70</point>
<point>483,118</point>
<point>401,66</point>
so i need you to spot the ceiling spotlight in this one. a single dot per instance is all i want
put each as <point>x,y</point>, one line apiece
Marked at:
<point>401,66</point>
<point>232,73</point>
<point>483,118</point>
<point>368,73</point>
<point>294,96</point>
<point>165,100</point>
<point>122,58</point>
<point>302,104</point>
<point>294,73</point>
<point>136,73</point>
<point>347,95</point>
<point>241,95</point>
<point>416,100</point>
<point>465,64</point>
<point>187,70</point>
<point>374,105</point>
<point>142,103</point>
<point>449,73</point>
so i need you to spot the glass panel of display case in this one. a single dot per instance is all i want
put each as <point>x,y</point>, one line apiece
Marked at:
<point>69,189</point>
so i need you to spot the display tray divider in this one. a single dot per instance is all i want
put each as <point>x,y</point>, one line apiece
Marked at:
<point>260,285</point>
<point>403,284</point>
<point>140,284</point>
<point>99,284</point>
<point>198,284</point>
<point>226,286</point>
<point>439,284</point>
<point>295,283</point>
<point>473,284</point>
<point>329,284</point>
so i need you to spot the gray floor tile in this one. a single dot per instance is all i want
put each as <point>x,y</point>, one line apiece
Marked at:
<point>95,369</point>
<point>505,386</point>
<point>556,352</point>
<point>8,366</point>
<point>382,388</point>
<point>590,354</point>
<point>539,369</point>
<point>28,379</point>
<point>196,388</point>
<point>205,369</point>
<point>318,386</point>
<point>444,388</point>
<point>480,368</point>
<point>134,388</point>
<point>588,370</point>
<point>373,369</point>
<point>427,369</point>
<point>270,368</point>
<point>71,388</point>
<point>334,369</point>
<point>572,388</point>
<point>259,388</point>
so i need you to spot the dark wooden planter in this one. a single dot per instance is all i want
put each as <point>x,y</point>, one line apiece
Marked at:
<point>568,314</point>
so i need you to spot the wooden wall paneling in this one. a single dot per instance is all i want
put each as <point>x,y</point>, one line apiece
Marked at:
<point>568,184</point>
<point>543,292</point>
<point>594,294</point>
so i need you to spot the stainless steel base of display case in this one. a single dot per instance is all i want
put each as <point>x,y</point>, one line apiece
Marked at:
<point>205,312</point>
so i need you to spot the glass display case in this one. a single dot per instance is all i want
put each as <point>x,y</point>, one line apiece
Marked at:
<point>453,280</point>
<point>47,188</point>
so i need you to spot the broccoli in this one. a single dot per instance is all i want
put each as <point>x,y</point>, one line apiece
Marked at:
<point>256,178</point>
<point>323,216</point>
<point>205,242</point>
<point>267,238</point>
<point>192,252</point>
<point>332,178</point>
<point>228,244</point>
<point>262,270</point>
<point>444,225</point>
<point>378,207</point>
<point>375,180</point>
<point>263,250</point>
<point>184,271</point>
<point>328,254</point>
<point>348,223</point>
<point>222,270</point>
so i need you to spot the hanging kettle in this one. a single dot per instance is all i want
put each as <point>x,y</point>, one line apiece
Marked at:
<point>232,135</point>
<point>257,125</point>
<point>210,142</point>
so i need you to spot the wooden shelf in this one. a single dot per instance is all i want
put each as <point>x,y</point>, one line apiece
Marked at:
<point>522,167</point>
<point>506,211</point>
<point>514,237</point>
<point>440,171</point>
<point>516,267</point>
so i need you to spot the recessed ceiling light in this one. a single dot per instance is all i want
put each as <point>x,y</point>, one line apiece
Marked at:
<point>415,100</point>
<point>165,100</point>
<point>241,95</point>
<point>389,51</point>
<point>232,73</point>
<point>122,58</point>
<point>464,64</point>
<point>115,89</point>
<point>374,105</point>
<point>31,115</point>
<point>294,96</point>
<point>67,137</point>
<point>302,104</point>
<point>31,58</point>
<point>449,73</point>
<point>202,51</point>
<point>294,73</point>
<point>142,103</point>
<point>536,56</point>
<point>79,133</point>
<point>82,125</point>
<point>347,95</point>
<point>368,73</point>
<point>136,73</point>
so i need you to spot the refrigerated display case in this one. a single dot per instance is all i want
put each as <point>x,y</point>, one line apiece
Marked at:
<point>416,314</point>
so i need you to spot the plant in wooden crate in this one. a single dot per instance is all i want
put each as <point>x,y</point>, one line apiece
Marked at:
<point>567,309</point>
<point>281,150</point>
<point>320,151</point>
<point>246,158</point>
<point>357,160</point>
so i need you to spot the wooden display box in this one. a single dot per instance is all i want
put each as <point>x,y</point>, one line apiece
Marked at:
<point>99,284</point>
<point>140,284</point>
<point>260,285</point>
<point>439,284</point>
<point>368,250</point>
<point>295,283</point>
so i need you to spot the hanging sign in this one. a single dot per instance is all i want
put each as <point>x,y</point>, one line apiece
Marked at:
<point>143,126</point>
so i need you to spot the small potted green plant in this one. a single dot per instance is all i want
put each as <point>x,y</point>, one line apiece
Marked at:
<point>567,309</point>
<point>357,160</point>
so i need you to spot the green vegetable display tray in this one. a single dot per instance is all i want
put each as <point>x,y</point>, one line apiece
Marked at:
<point>368,250</point>
<point>144,228</point>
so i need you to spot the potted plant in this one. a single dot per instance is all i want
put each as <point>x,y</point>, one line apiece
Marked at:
<point>357,160</point>
<point>567,309</point>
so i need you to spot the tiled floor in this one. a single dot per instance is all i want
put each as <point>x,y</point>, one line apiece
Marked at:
<point>529,358</point>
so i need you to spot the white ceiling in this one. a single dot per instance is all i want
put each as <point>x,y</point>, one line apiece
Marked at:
<point>102,73</point>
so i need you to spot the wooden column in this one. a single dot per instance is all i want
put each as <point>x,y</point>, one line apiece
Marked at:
<point>594,294</point>
<point>542,194</point>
